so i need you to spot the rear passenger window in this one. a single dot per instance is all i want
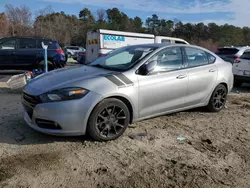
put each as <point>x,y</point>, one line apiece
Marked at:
<point>179,42</point>
<point>211,58</point>
<point>50,44</point>
<point>196,57</point>
<point>165,41</point>
<point>246,55</point>
<point>27,44</point>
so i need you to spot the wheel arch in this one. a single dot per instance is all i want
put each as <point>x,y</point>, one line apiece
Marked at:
<point>223,83</point>
<point>121,98</point>
<point>127,103</point>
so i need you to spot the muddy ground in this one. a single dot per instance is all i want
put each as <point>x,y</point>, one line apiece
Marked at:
<point>215,152</point>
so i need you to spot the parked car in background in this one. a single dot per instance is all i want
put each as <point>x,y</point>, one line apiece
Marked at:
<point>129,84</point>
<point>26,53</point>
<point>231,54</point>
<point>241,69</point>
<point>65,53</point>
<point>81,57</point>
<point>73,50</point>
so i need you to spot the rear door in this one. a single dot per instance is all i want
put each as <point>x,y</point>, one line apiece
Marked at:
<point>242,67</point>
<point>26,53</point>
<point>202,74</point>
<point>7,53</point>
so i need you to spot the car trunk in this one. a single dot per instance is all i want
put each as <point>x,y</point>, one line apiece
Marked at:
<point>228,54</point>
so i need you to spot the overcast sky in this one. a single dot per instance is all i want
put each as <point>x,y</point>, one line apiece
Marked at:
<point>236,12</point>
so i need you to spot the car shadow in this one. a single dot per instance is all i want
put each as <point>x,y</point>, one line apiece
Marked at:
<point>15,131</point>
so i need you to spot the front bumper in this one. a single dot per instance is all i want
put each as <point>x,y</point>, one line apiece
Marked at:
<point>71,116</point>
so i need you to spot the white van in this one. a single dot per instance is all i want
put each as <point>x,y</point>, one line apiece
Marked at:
<point>100,42</point>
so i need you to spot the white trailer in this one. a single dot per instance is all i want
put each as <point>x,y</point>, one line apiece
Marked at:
<point>100,42</point>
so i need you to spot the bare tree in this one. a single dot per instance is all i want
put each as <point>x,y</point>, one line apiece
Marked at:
<point>20,19</point>
<point>101,15</point>
<point>4,25</point>
<point>39,26</point>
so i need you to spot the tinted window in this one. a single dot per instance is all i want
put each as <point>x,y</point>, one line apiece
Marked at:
<point>73,48</point>
<point>211,58</point>
<point>246,55</point>
<point>51,44</point>
<point>179,42</point>
<point>196,57</point>
<point>27,44</point>
<point>226,51</point>
<point>165,41</point>
<point>168,59</point>
<point>8,44</point>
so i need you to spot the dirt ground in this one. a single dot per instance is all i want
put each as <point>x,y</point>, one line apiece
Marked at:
<point>215,152</point>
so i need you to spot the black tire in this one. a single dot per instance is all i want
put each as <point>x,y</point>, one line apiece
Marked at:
<point>50,65</point>
<point>218,99</point>
<point>237,83</point>
<point>109,120</point>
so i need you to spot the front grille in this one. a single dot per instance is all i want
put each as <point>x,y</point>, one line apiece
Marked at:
<point>47,124</point>
<point>29,102</point>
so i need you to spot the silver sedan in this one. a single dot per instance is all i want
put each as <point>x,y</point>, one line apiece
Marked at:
<point>130,84</point>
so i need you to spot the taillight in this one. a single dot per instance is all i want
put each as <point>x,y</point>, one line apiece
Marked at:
<point>82,54</point>
<point>235,58</point>
<point>60,51</point>
<point>100,55</point>
<point>236,61</point>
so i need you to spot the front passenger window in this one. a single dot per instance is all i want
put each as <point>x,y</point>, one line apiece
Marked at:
<point>8,45</point>
<point>168,59</point>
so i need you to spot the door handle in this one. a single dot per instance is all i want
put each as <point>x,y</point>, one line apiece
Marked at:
<point>181,76</point>
<point>212,70</point>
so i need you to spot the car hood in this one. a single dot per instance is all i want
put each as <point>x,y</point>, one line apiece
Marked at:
<point>62,78</point>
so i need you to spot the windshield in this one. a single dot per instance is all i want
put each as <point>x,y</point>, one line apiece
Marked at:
<point>123,58</point>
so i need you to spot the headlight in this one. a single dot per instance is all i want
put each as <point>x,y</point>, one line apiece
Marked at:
<point>63,94</point>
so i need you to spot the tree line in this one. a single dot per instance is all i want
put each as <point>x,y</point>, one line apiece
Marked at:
<point>72,29</point>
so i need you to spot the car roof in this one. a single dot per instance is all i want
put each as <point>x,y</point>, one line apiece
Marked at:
<point>162,45</point>
<point>235,47</point>
<point>29,37</point>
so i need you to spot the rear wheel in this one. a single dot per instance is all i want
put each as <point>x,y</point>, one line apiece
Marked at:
<point>218,99</point>
<point>109,120</point>
<point>50,66</point>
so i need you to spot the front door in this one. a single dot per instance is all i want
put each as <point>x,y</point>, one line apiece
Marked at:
<point>164,89</point>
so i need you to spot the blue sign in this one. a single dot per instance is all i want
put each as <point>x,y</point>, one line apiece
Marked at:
<point>113,37</point>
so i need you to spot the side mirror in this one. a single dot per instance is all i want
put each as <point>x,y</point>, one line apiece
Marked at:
<point>147,67</point>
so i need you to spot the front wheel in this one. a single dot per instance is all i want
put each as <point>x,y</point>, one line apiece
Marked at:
<point>109,120</point>
<point>218,99</point>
